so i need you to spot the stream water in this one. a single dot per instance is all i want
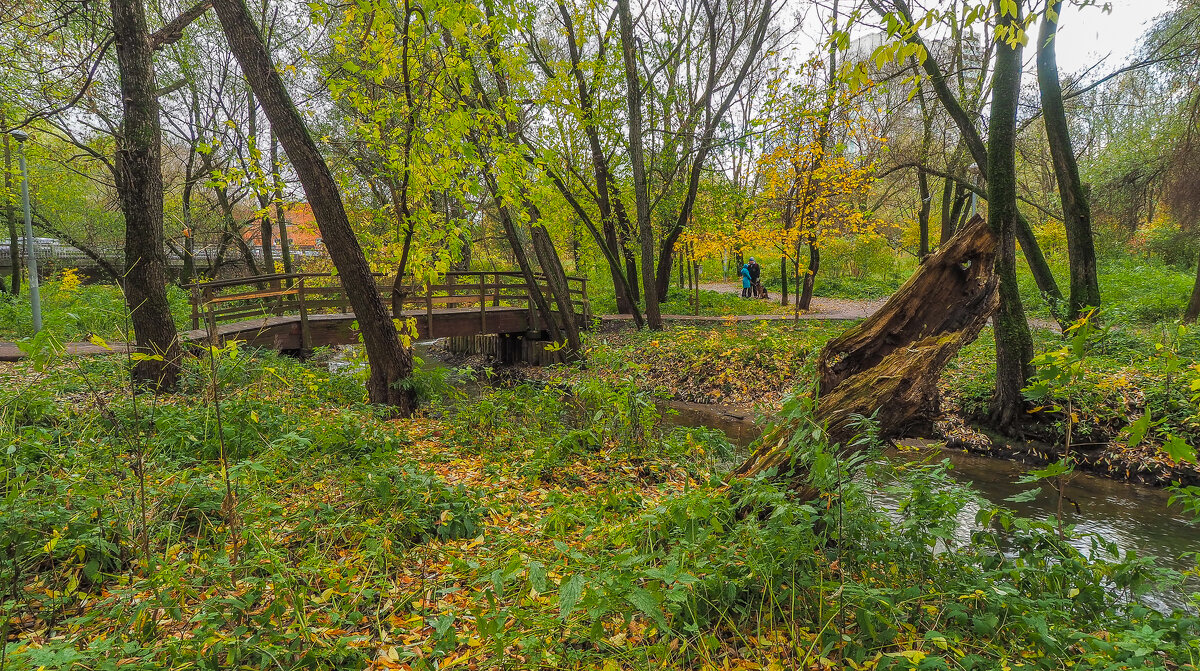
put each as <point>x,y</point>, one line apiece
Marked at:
<point>1135,517</point>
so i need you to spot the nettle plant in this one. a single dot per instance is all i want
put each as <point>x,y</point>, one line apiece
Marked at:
<point>1178,370</point>
<point>1055,384</point>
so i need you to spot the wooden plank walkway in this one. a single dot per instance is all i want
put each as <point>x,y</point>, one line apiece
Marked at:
<point>10,352</point>
<point>284,332</point>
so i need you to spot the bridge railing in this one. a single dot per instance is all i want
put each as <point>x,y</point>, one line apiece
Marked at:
<point>305,294</point>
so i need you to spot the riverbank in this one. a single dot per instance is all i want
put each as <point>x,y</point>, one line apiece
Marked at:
<point>751,365</point>
<point>265,516</point>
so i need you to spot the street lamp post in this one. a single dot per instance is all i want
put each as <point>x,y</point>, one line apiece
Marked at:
<point>35,298</point>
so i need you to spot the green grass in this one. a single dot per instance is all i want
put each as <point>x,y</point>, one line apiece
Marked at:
<point>561,526</point>
<point>73,312</point>
<point>1132,291</point>
<point>717,303</point>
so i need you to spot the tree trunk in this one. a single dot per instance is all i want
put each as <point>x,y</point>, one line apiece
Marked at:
<point>266,232</point>
<point>1077,216</point>
<point>947,220</point>
<point>285,245</point>
<point>923,213</point>
<point>390,363</point>
<point>1193,308</point>
<point>686,262</point>
<point>188,274</point>
<point>888,365</point>
<point>265,229</point>
<point>1014,344</point>
<point>556,279</point>
<point>607,203</point>
<point>645,230</point>
<point>961,213</point>
<point>783,290</point>
<point>804,302</point>
<point>10,214</point>
<point>510,230</point>
<point>140,189</point>
<point>233,231</point>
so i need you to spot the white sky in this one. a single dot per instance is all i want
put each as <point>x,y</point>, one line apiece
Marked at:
<point>1088,35</point>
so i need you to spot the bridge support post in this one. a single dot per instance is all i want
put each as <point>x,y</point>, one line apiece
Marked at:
<point>510,348</point>
<point>482,304</point>
<point>195,307</point>
<point>305,329</point>
<point>429,311</point>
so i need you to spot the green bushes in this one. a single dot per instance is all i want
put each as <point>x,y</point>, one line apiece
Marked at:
<point>563,524</point>
<point>414,506</point>
<point>746,571</point>
<point>74,311</point>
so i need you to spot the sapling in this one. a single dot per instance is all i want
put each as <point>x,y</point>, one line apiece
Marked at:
<point>1057,373</point>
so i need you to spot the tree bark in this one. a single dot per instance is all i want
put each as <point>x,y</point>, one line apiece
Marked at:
<point>285,245</point>
<point>947,221</point>
<point>390,363</point>
<point>1193,308</point>
<point>140,189</point>
<point>10,214</point>
<point>923,213</point>
<point>961,213</point>
<point>556,279</point>
<point>1077,216</point>
<point>1014,344</point>
<point>804,301</point>
<point>783,290</point>
<point>637,160</point>
<point>888,365</point>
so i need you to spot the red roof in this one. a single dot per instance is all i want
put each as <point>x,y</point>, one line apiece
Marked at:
<point>301,226</point>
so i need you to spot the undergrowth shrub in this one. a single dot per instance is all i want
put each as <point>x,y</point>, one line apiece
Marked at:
<point>414,506</point>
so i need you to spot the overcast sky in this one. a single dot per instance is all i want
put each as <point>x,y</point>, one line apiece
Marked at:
<point>1088,35</point>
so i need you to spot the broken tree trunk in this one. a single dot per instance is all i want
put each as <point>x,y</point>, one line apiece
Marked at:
<point>888,366</point>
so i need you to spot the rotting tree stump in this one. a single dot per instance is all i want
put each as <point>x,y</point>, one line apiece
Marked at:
<point>889,365</point>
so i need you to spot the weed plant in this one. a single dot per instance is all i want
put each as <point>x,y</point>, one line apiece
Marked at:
<point>531,526</point>
<point>73,311</point>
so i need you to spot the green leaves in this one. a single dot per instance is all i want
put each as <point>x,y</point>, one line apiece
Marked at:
<point>1136,432</point>
<point>569,592</point>
<point>1178,450</point>
<point>646,602</point>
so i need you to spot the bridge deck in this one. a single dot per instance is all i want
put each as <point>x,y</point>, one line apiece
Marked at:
<point>284,332</point>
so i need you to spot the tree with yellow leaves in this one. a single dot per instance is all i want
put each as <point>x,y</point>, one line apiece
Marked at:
<point>813,171</point>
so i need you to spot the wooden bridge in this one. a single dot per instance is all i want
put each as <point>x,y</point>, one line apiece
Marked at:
<point>300,311</point>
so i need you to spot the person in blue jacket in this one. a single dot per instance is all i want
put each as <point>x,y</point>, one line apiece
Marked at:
<point>745,281</point>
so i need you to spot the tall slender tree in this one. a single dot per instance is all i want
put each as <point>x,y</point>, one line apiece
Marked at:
<point>138,171</point>
<point>1077,215</point>
<point>390,362</point>
<point>1014,344</point>
<point>637,161</point>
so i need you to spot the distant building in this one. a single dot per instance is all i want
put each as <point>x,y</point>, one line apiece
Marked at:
<point>303,233</point>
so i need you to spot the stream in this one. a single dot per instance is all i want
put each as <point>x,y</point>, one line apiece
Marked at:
<point>1135,517</point>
